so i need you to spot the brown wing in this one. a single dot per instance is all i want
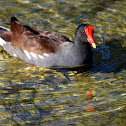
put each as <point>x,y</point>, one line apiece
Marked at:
<point>30,40</point>
<point>52,35</point>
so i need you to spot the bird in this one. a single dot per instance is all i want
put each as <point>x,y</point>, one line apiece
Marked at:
<point>48,49</point>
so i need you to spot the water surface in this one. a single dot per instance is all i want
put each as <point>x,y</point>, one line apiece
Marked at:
<point>40,96</point>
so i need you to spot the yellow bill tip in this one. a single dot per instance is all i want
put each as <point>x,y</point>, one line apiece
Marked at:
<point>94,45</point>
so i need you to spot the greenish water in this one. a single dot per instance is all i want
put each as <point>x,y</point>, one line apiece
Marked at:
<point>39,96</point>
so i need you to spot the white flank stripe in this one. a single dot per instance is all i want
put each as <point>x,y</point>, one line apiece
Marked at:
<point>33,54</point>
<point>40,56</point>
<point>45,54</point>
<point>27,54</point>
<point>4,28</point>
<point>14,55</point>
<point>2,42</point>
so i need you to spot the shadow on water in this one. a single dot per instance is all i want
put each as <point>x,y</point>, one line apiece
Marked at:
<point>20,110</point>
<point>110,57</point>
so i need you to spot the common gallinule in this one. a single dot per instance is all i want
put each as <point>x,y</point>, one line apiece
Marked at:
<point>44,48</point>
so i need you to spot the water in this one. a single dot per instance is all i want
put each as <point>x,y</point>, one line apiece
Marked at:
<point>46,97</point>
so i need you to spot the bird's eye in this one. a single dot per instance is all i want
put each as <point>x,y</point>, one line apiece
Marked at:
<point>83,32</point>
